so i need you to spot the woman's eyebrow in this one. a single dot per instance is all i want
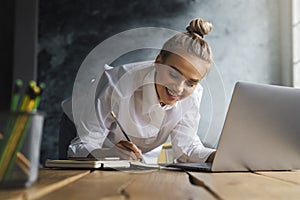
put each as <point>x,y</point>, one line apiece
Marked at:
<point>192,80</point>
<point>176,69</point>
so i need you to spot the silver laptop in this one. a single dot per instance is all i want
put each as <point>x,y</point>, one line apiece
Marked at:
<point>261,131</point>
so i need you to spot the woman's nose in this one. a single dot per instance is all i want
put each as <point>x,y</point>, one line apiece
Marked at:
<point>179,87</point>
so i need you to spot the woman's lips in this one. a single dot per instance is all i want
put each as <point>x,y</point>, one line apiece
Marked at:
<point>171,95</point>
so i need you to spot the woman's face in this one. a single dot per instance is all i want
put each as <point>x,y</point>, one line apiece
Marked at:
<point>176,78</point>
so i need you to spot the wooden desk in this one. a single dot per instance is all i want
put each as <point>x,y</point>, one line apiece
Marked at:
<point>158,184</point>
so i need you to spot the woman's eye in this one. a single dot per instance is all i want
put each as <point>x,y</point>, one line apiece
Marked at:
<point>189,84</point>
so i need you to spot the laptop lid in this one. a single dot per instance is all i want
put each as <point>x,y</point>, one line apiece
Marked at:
<point>261,129</point>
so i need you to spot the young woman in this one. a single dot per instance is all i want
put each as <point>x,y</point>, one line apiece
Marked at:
<point>152,101</point>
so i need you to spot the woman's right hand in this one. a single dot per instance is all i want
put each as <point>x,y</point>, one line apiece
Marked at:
<point>129,149</point>
<point>124,150</point>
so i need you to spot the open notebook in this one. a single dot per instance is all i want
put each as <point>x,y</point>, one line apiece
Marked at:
<point>100,164</point>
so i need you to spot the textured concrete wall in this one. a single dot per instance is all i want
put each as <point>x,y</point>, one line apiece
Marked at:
<point>244,42</point>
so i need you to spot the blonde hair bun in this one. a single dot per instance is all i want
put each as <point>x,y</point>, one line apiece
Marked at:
<point>199,27</point>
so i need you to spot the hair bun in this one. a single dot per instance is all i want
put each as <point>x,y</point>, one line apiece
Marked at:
<point>200,27</point>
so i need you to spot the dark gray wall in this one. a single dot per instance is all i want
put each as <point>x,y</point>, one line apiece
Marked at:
<point>25,40</point>
<point>6,51</point>
<point>18,45</point>
<point>244,42</point>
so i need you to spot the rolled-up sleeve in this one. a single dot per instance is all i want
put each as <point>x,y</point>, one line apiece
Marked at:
<point>91,133</point>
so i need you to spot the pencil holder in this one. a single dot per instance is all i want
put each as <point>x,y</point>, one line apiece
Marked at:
<point>20,141</point>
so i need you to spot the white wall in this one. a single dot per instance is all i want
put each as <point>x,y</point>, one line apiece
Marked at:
<point>246,43</point>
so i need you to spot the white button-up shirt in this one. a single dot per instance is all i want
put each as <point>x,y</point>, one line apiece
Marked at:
<point>129,91</point>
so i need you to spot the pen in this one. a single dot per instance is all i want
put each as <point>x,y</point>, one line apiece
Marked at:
<point>128,139</point>
<point>42,86</point>
<point>115,118</point>
<point>32,92</point>
<point>16,95</point>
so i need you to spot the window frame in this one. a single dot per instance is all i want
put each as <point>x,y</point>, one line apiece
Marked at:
<point>296,42</point>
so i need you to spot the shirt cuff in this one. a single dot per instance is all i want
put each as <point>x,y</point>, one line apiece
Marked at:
<point>79,150</point>
<point>200,155</point>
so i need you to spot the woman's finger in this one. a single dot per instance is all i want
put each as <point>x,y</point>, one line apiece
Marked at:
<point>124,153</point>
<point>131,146</point>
